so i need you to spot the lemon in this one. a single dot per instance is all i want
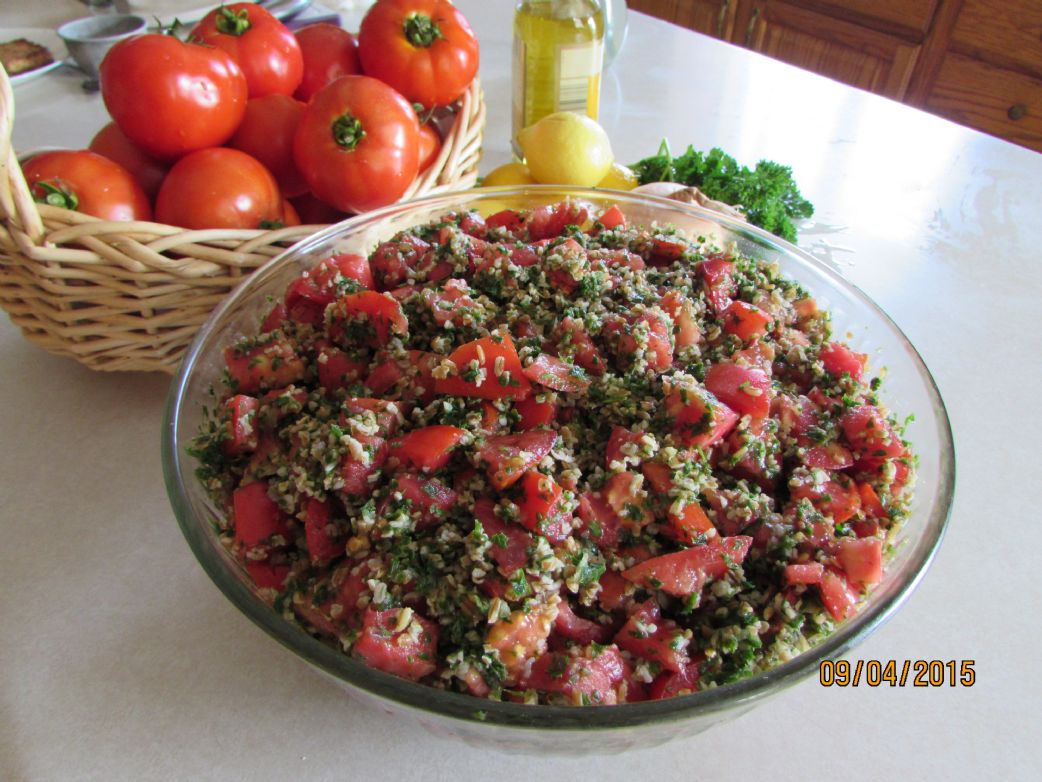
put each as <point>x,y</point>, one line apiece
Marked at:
<point>619,177</point>
<point>508,174</point>
<point>566,149</point>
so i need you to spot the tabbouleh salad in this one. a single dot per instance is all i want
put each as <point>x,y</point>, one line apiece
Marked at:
<point>550,457</point>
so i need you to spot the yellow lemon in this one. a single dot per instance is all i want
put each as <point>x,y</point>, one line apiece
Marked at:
<point>508,174</point>
<point>566,149</point>
<point>619,177</point>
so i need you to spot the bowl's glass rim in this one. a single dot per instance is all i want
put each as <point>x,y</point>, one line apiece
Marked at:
<point>480,711</point>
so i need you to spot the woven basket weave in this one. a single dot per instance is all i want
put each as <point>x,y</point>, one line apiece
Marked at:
<point>130,296</point>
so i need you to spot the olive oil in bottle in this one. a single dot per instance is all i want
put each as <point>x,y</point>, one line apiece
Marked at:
<point>558,54</point>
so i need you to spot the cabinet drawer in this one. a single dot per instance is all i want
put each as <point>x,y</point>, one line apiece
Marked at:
<point>995,100</point>
<point>1004,31</point>
<point>909,17</point>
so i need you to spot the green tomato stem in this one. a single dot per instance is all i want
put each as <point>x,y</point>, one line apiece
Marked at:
<point>54,194</point>
<point>348,131</point>
<point>421,31</point>
<point>232,22</point>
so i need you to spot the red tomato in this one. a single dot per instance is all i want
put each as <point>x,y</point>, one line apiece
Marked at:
<point>111,142</point>
<point>509,456</point>
<point>272,365</point>
<point>691,522</point>
<point>806,573</point>
<point>430,145</point>
<point>428,448</point>
<point>612,218</point>
<point>699,418</point>
<point>264,48</point>
<point>388,414</point>
<point>431,499</point>
<point>357,144</point>
<point>366,319</point>
<point>588,679</point>
<point>828,457</point>
<point>520,637</point>
<point>534,413</point>
<point>837,497</point>
<point>576,628</point>
<point>496,374</point>
<point>512,555</point>
<point>746,321</point>
<point>600,522</point>
<point>556,374</point>
<point>670,685</point>
<point>839,599</point>
<point>546,222</point>
<point>289,214</point>
<point>308,296</point>
<point>648,332</point>
<point>869,433</point>
<point>616,450</point>
<point>746,390</point>
<point>624,493</point>
<point>257,516</point>
<point>870,502</point>
<point>218,188</point>
<point>267,132</point>
<point>574,343</point>
<point>171,98</point>
<point>681,312</point>
<point>839,359</point>
<point>401,652</point>
<point>242,433</point>
<point>86,182</point>
<point>665,644</point>
<point>423,48</point>
<point>685,572</point>
<point>861,559</point>
<point>336,369</point>
<point>320,536</point>
<point>315,212</point>
<point>356,472</point>
<point>329,52</point>
<point>540,507</point>
<point>718,283</point>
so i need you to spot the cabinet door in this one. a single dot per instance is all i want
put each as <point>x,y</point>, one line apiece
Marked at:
<point>712,17</point>
<point>872,60</point>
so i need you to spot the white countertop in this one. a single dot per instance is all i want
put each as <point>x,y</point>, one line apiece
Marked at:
<point>121,661</point>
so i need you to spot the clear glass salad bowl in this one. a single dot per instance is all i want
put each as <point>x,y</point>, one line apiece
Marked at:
<point>909,389</point>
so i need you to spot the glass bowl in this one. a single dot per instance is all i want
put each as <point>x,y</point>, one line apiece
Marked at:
<point>909,389</point>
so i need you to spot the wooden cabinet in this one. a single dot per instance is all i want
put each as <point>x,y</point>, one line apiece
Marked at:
<point>977,62</point>
<point>843,50</point>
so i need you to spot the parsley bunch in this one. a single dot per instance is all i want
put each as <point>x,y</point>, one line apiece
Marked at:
<point>767,194</point>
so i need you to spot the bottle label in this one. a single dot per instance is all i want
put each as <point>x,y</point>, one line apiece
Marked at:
<point>578,82</point>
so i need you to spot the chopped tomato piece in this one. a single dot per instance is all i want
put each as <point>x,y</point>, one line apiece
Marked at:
<point>869,433</point>
<point>488,368</point>
<point>357,470</point>
<point>271,365</point>
<point>589,679</point>
<point>746,390</point>
<point>699,418</point>
<point>839,359</point>
<point>646,634</point>
<point>795,417</point>
<point>366,319</point>
<point>322,539</point>
<point>308,296</point>
<point>242,433</point>
<point>682,313</point>
<point>394,262</point>
<point>650,333</point>
<point>805,573</point>
<point>258,518</point>
<point>828,457</point>
<point>429,497</point>
<point>624,493</point>
<point>574,344</point>
<point>383,377</point>
<point>746,321</point>
<point>623,443</point>
<point>870,502</point>
<point>275,319</point>
<point>839,599</point>
<point>451,302</point>
<point>861,559</point>
<point>576,628</point>
<point>669,684</point>
<point>683,573</point>
<point>612,217</point>
<point>336,369</point>
<point>690,523</point>
<point>388,414</point>
<point>428,448</point>
<point>666,249</point>
<point>534,413</point>
<point>389,642</point>
<point>508,219</point>
<point>837,496</point>
<point>718,283</point>
<point>554,373</point>
<point>541,507</point>
<point>512,554</point>
<point>546,222</point>
<point>520,637</point>
<point>510,456</point>
<point>265,574</point>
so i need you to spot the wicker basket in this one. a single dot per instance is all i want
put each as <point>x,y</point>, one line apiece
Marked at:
<point>130,296</point>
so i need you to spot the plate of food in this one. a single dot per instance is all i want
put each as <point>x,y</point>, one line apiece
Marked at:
<point>558,469</point>
<point>27,53</point>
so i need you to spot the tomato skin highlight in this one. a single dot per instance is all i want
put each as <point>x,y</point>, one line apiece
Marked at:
<point>171,98</point>
<point>358,173</point>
